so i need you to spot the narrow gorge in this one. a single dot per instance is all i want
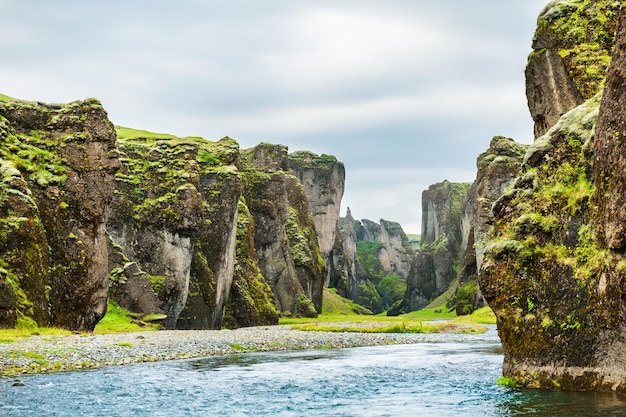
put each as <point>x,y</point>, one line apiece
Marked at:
<point>197,234</point>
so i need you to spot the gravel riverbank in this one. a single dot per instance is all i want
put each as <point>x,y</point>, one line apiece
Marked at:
<point>41,354</point>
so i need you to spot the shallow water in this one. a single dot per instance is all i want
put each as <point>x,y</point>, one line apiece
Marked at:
<point>455,378</point>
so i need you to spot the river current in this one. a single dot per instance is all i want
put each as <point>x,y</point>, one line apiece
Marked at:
<point>443,378</point>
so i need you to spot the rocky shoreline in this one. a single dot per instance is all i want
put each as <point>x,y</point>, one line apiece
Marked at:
<point>44,354</point>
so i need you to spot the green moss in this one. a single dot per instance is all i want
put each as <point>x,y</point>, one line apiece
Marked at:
<point>35,157</point>
<point>157,282</point>
<point>119,320</point>
<point>507,381</point>
<point>464,296</point>
<point>584,34</point>
<point>299,245</point>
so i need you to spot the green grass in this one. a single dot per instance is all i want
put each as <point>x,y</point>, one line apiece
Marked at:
<point>337,316</point>
<point>118,320</point>
<point>395,327</point>
<point>5,98</point>
<point>333,303</point>
<point>12,335</point>
<point>127,133</point>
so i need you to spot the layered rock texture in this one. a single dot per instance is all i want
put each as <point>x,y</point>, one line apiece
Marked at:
<point>572,50</point>
<point>193,233</point>
<point>444,238</point>
<point>554,271</point>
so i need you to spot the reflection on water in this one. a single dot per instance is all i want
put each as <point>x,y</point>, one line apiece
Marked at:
<point>434,379</point>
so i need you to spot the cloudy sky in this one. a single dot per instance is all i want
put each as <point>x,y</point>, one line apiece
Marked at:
<point>406,93</point>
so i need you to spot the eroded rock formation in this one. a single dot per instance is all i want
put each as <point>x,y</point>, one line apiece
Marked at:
<point>553,270</point>
<point>498,168</point>
<point>443,242</point>
<point>194,233</point>
<point>375,259</point>
<point>571,52</point>
<point>58,163</point>
<point>323,180</point>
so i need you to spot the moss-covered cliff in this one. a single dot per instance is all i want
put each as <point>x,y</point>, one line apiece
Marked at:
<point>285,239</point>
<point>156,223</point>
<point>444,238</point>
<point>497,168</point>
<point>554,270</point>
<point>58,163</point>
<point>571,52</point>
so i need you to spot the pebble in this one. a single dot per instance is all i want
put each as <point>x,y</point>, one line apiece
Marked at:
<point>40,354</point>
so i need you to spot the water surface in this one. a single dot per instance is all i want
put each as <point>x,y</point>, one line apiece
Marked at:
<point>455,378</point>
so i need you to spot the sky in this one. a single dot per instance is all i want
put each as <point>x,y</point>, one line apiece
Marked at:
<point>406,93</point>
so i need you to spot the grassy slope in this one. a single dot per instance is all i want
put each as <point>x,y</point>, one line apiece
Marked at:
<point>337,309</point>
<point>126,133</point>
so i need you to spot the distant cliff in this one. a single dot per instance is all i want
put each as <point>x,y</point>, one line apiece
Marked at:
<point>375,260</point>
<point>323,181</point>
<point>443,241</point>
<point>195,233</point>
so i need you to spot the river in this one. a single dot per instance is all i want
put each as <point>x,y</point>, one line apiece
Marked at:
<point>453,378</point>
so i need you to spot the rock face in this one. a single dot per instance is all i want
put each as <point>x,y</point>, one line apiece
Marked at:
<point>554,270</point>
<point>543,271</point>
<point>442,245</point>
<point>343,258</point>
<point>375,261</point>
<point>609,176</point>
<point>497,168</point>
<point>285,239</point>
<point>323,180</point>
<point>58,164</point>
<point>174,215</point>
<point>194,233</point>
<point>572,48</point>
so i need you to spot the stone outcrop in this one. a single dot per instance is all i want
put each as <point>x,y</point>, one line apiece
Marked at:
<point>192,233</point>
<point>57,165</point>
<point>571,52</point>
<point>285,239</point>
<point>554,270</point>
<point>323,180</point>
<point>342,269</point>
<point>498,168</point>
<point>443,242</point>
<point>375,261</point>
<point>174,215</point>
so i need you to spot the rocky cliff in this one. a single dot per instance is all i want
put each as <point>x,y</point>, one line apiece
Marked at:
<point>195,233</point>
<point>554,270</point>
<point>571,52</point>
<point>443,241</point>
<point>375,261</point>
<point>285,239</point>
<point>497,168</point>
<point>57,165</point>
<point>323,180</point>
